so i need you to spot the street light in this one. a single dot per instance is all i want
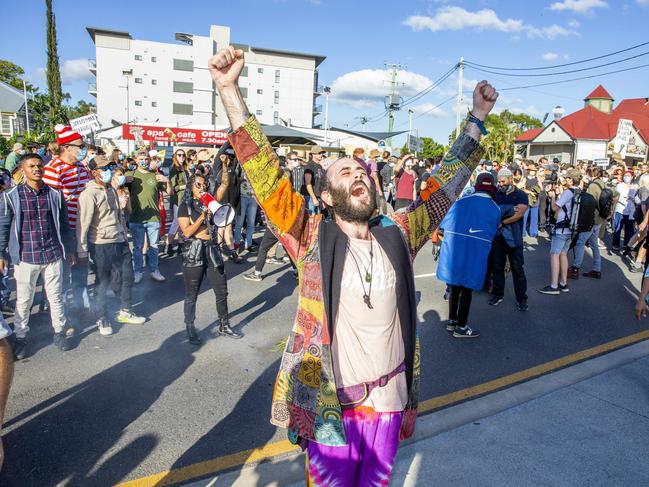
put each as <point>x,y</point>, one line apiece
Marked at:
<point>326,90</point>
<point>127,73</point>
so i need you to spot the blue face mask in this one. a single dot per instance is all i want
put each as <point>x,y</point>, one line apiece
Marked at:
<point>121,157</point>
<point>106,176</point>
<point>131,167</point>
<point>121,180</point>
<point>82,154</point>
<point>144,165</point>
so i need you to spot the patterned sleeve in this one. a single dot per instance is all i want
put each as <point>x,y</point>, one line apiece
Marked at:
<point>284,208</point>
<point>51,177</point>
<point>423,216</point>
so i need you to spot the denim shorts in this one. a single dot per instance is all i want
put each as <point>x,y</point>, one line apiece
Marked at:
<point>560,242</point>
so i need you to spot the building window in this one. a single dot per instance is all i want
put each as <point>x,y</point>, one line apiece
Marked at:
<point>277,97</point>
<point>258,112</point>
<point>183,65</point>
<point>138,81</point>
<point>260,70</point>
<point>183,109</point>
<point>244,92</point>
<point>138,103</point>
<point>260,92</point>
<point>154,104</point>
<point>6,124</point>
<point>138,57</point>
<point>154,81</point>
<point>183,87</point>
<point>244,72</point>
<point>154,59</point>
<point>277,76</point>
<point>276,118</point>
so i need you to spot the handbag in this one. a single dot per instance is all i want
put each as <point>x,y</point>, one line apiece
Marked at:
<point>193,253</point>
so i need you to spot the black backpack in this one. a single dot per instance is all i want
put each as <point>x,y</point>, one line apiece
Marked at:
<point>605,203</point>
<point>582,215</point>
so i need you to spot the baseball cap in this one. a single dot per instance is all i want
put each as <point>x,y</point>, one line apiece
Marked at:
<point>153,153</point>
<point>485,182</point>
<point>98,162</point>
<point>316,149</point>
<point>575,175</point>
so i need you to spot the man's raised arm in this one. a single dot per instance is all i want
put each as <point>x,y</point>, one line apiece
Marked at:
<point>424,215</point>
<point>284,208</point>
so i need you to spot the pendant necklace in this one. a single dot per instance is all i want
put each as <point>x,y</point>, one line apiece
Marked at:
<point>368,273</point>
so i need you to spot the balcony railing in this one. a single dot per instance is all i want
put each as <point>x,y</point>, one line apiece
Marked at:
<point>317,109</point>
<point>92,88</point>
<point>92,65</point>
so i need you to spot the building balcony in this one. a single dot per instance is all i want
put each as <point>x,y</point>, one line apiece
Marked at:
<point>317,109</point>
<point>92,89</point>
<point>92,66</point>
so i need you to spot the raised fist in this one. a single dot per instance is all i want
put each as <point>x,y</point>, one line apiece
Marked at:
<point>484,99</point>
<point>225,67</point>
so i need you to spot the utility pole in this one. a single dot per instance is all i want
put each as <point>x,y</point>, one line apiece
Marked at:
<point>363,120</point>
<point>393,101</point>
<point>459,98</point>
<point>327,90</point>
<point>26,108</point>
<point>410,112</point>
<point>127,74</point>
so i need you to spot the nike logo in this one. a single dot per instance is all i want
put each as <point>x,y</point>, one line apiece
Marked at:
<point>471,230</point>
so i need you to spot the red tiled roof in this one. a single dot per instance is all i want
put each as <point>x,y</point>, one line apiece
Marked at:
<point>529,135</point>
<point>599,92</point>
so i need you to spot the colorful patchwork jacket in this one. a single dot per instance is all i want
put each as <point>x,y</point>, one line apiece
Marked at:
<point>304,397</point>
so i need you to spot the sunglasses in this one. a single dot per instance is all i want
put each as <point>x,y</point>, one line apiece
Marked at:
<point>82,146</point>
<point>180,154</point>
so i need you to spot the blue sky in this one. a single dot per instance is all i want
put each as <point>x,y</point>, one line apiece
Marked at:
<point>427,36</point>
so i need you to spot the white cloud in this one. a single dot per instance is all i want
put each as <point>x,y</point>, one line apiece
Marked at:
<point>642,2</point>
<point>550,56</point>
<point>574,24</point>
<point>578,6</point>
<point>364,88</point>
<point>457,18</point>
<point>429,110</point>
<point>75,70</point>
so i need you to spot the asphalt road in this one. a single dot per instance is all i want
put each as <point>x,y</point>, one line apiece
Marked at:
<point>145,401</point>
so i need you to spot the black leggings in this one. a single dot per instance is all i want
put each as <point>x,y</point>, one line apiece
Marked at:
<point>459,303</point>
<point>193,277</point>
<point>268,240</point>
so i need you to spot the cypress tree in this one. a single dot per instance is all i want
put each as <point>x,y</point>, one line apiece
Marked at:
<point>57,114</point>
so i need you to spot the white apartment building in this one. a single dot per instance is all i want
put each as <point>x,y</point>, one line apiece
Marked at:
<point>158,83</point>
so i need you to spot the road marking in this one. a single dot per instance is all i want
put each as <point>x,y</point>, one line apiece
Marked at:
<point>425,275</point>
<point>284,447</point>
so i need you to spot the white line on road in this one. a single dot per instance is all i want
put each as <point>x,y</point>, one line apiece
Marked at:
<point>425,275</point>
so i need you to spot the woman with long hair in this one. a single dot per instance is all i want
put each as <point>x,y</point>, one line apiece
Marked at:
<point>178,175</point>
<point>192,161</point>
<point>201,255</point>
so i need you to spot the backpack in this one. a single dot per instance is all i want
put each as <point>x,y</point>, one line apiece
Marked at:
<point>582,215</point>
<point>297,177</point>
<point>605,203</point>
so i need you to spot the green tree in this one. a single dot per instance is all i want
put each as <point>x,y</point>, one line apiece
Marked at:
<point>12,74</point>
<point>431,148</point>
<point>57,113</point>
<point>82,108</point>
<point>503,129</point>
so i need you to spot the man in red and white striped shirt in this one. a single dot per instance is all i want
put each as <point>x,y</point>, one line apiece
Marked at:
<point>67,173</point>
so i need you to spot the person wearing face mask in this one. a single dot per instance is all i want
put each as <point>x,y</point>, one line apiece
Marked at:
<point>12,158</point>
<point>623,218</point>
<point>387,176</point>
<point>67,173</point>
<point>119,182</point>
<point>508,242</point>
<point>101,232</point>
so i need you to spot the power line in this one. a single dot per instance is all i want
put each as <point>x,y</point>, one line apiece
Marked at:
<point>430,110</point>
<point>560,72</point>
<point>431,87</point>
<point>565,64</point>
<point>575,79</point>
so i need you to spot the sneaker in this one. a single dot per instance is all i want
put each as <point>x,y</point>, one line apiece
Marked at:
<point>274,261</point>
<point>522,306</point>
<point>6,309</point>
<point>128,318</point>
<point>495,300</point>
<point>465,332</point>
<point>573,272</point>
<point>615,249</point>
<point>286,259</point>
<point>593,274</point>
<point>635,267</point>
<point>451,325</point>
<point>156,276</point>
<point>601,244</point>
<point>104,327</point>
<point>549,290</point>
<point>252,249</point>
<point>137,278</point>
<point>253,276</point>
<point>564,288</point>
<point>234,257</point>
<point>61,342</point>
<point>20,348</point>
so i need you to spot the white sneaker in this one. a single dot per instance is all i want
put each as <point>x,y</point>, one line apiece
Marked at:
<point>137,278</point>
<point>156,276</point>
<point>104,328</point>
<point>126,317</point>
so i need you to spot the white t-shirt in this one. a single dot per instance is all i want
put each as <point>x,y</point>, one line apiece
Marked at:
<point>565,200</point>
<point>625,204</point>
<point>368,343</point>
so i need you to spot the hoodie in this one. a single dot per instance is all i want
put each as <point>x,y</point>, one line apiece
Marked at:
<point>100,220</point>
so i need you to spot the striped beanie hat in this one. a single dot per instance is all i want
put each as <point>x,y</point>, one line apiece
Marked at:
<point>65,134</point>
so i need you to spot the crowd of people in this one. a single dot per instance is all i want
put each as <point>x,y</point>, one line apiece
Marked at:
<point>350,228</point>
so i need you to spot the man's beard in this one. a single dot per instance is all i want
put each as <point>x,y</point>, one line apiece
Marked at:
<point>349,212</point>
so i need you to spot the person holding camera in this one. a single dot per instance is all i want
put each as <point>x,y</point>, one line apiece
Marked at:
<point>561,200</point>
<point>201,254</point>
